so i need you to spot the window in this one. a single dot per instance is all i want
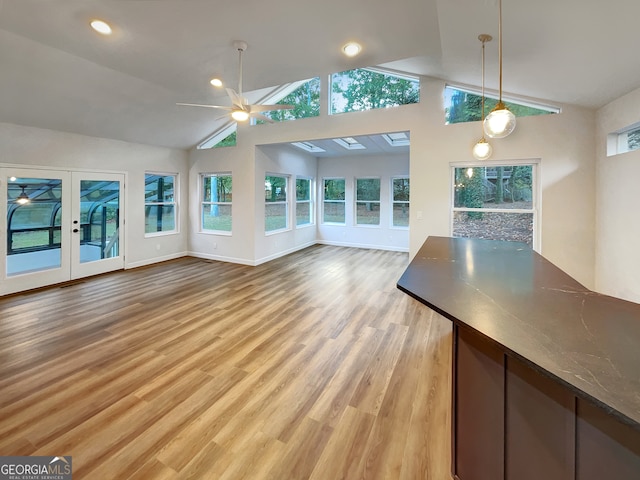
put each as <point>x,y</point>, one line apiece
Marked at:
<point>217,195</point>
<point>305,99</point>
<point>624,141</point>
<point>159,203</point>
<point>276,205</point>
<point>400,201</point>
<point>495,202</point>
<point>367,89</point>
<point>333,207</point>
<point>304,204</point>
<point>367,201</point>
<point>463,105</point>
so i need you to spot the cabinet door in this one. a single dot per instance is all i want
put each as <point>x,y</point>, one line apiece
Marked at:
<point>540,426</point>
<point>606,448</point>
<point>479,408</point>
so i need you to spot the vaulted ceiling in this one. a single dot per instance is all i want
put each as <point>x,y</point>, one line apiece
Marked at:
<point>55,72</point>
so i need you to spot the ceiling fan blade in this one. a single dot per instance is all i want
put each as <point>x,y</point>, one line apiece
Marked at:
<point>205,106</point>
<point>259,116</point>
<point>269,108</point>
<point>236,99</point>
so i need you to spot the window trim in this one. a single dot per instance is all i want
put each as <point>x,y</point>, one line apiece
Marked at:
<point>535,190</point>
<point>201,201</point>
<point>174,204</point>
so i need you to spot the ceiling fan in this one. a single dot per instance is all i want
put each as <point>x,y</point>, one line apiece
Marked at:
<point>240,108</point>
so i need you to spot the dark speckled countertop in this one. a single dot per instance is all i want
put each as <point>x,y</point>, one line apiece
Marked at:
<point>587,341</point>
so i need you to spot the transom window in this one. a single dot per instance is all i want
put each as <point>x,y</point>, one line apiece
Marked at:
<point>624,141</point>
<point>495,202</point>
<point>216,203</point>
<point>465,105</point>
<point>159,203</point>
<point>369,88</point>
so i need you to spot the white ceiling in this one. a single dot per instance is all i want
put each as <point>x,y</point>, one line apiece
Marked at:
<point>57,73</point>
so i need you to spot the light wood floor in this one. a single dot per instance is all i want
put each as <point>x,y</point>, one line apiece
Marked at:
<point>311,366</point>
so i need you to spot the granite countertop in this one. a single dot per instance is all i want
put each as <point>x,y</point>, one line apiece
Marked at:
<point>507,292</point>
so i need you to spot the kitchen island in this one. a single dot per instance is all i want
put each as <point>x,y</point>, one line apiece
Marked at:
<point>546,373</point>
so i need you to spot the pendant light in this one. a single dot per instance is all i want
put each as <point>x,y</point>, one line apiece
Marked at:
<point>482,150</point>
<point>501,121</point>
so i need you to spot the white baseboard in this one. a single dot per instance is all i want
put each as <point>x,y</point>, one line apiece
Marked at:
<point>283,253</point>
<point>363,245</point>
<point>151,261</point>
<point>221,258</point>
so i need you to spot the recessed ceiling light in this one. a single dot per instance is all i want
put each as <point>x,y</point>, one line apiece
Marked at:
<point>216,82</point>
<point>351,49</point>
<point>101,27</point>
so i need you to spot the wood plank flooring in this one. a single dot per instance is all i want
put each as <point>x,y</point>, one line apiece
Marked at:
<point>312,366</point>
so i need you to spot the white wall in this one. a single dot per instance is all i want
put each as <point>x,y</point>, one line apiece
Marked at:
<point>564,143</point>
<point>618,222</point>
<point>383,236</point>
<point>27,146</point>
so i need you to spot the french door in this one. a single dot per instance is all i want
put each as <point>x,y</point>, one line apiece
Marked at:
<point>59,226</point>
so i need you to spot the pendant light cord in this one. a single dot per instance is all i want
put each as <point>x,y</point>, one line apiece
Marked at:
<point>500,47</point>
<point>482,116</point>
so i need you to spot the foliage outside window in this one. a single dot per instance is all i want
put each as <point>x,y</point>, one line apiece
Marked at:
<point>216,205</point>
<point>276,204</point>
<point>333,204</point>
<point>494,202</point>
<point>305,100</point>
<point>367,89</point>
<point>464,106</point>
<point>304,204</point>
<point>159,203</point>
<point>400,201</point>
<point>228,141</point>
<point>367,201</point>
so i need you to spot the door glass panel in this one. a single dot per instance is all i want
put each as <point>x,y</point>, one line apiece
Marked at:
<point>34,215</point>
<point>99,220</point>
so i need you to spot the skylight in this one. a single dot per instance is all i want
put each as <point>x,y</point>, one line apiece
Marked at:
<point>308,146</point>
<point>400,139</point>
<point>349,143</point>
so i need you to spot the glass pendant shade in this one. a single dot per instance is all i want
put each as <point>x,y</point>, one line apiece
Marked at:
<point>239,115</point>
<point>482,150</point>
<point>500,122</point>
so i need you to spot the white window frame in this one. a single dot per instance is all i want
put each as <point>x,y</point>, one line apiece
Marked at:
<point>356,201</point>
<point>204,203</point>
<point>310,202</point>
<point>393,201</point>
<point>286,203</point>
<point>173,203</point>
<point>535,191</point>
<point>344,201</point>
